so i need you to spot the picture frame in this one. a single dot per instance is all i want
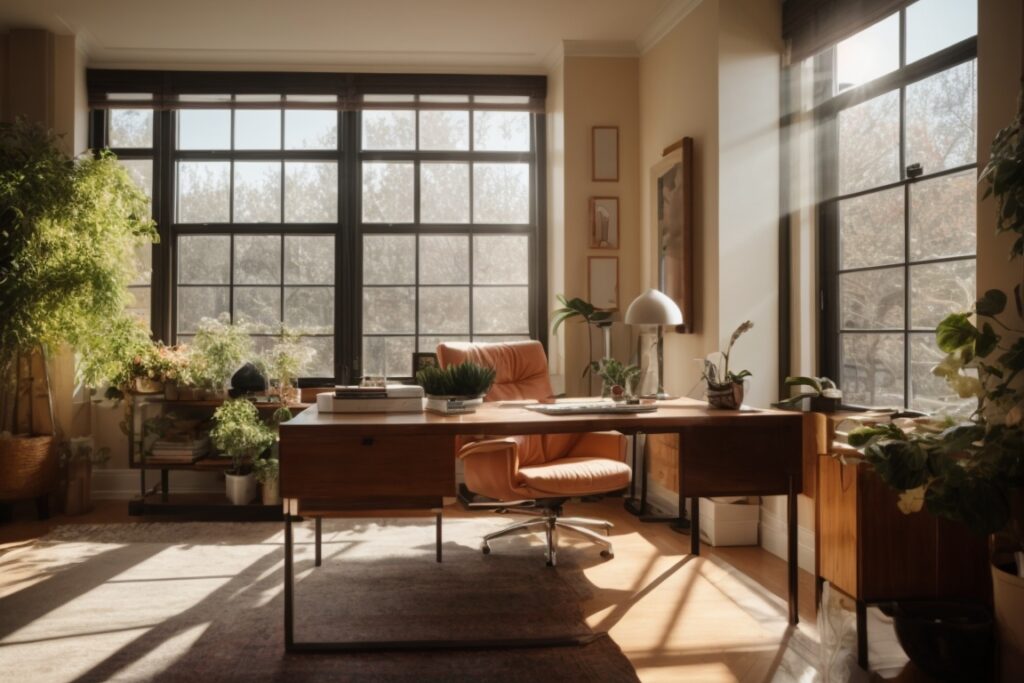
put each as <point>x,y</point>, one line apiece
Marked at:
<point>672,214</point>
<point>423,359</point>
<point>604,147</point>
<point>604,222</point>
<point>603,282</point>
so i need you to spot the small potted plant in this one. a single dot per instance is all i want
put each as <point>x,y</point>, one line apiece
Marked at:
<point>455,389</point>
<point>824,396</point>
<point>619,381</point>
<point>267,471</point>
<point>239,434</point>
<point>588,313</point>
<point>285,362</point>
<point>168,365</point>
<point>219,348</point>
<point>725,387</point>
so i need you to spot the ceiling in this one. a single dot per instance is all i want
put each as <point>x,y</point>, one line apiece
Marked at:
<point>418,35</point>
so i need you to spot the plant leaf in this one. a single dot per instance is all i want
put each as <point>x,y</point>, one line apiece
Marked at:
<point>987,341</point>
<point>955,331</point>
<point>804,381</point>
<point>992,303</point>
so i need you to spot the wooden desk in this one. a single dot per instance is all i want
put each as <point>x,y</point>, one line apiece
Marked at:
<point>335,461</point>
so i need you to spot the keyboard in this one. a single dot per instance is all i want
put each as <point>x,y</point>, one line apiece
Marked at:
<point>596,407</point>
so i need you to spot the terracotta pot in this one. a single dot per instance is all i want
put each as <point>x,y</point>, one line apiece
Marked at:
<point>28,467</point>
<point>240,488</point>
<point>1008,597</point>
<point>725,396</point>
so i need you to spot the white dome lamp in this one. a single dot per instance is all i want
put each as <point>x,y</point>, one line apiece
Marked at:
<point>655,308</point>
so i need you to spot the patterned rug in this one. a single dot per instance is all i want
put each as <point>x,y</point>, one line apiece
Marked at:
<point>204,602</point>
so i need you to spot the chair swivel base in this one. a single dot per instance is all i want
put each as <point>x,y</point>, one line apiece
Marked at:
<point>550,520</point>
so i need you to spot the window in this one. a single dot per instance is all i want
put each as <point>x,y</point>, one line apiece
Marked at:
<point>375,230</point>
<point>898,143</point>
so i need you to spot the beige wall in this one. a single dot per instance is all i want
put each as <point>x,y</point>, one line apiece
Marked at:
<point>556,214</point>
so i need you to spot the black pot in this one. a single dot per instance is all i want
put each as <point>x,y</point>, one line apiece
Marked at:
<point>820,404</point>
<point>948,640</point>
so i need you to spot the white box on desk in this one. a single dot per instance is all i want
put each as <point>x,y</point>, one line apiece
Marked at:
<point>327,403</point>
<point>727,524</point>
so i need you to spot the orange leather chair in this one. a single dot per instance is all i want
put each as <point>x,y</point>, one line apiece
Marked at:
<point>536,474</point>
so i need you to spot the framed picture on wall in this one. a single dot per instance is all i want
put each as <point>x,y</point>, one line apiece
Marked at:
<point>672,211</point>
<point>604,147</point>
<point>604,222</point>
<point>603,282</point>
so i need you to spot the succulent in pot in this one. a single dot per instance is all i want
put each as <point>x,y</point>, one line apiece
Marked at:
<point>724,386</point>
<point>456,388</point>
<point>240,434</point>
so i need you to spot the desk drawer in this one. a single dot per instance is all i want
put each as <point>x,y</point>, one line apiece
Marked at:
<point>366,467</point>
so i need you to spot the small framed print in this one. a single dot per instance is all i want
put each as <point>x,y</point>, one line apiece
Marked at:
<point>421,360</point>
<point>604,222</point>
<point>603,282</point>
<point>605,153</point>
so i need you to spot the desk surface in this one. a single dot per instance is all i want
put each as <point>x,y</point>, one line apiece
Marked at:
<point>509,417</point>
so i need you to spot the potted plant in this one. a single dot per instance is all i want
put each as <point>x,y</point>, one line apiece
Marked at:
<point>972,470</point>
<point>725,387</point>
<point>619,381</point>
<point>218,349</point>
<point>68,233</point>
<point>285,362</point>
<point>239,434</point>
<point>78,459</point>
<point>267,471</point>
<point>824,396</point>
<point>169,366</point>
<point>456,388</point>
<point>593,317</point>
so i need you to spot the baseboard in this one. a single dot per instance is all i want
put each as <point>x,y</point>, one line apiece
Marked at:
<point>773,532</point>
<point>124,484</point>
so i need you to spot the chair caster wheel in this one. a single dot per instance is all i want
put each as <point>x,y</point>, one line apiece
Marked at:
<point>485,549</point>
<point>607,554</point>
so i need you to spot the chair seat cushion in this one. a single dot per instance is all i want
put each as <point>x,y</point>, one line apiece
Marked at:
<point>574,477</point>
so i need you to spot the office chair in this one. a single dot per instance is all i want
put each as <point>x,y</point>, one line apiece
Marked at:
<point>536,474</point>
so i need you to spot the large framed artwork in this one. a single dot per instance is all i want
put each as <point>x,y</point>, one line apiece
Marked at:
<point>672,210</point>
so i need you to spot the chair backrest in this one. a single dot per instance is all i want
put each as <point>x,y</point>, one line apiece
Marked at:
<point>521,367</point>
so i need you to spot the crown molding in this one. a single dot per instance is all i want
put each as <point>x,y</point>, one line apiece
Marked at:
<point>619,49</point>
<point>664,22</point>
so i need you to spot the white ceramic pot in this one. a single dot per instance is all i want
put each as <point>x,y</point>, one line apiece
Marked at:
<point>1008,596</point>
<point>240,489</point>
<point>271,492</point>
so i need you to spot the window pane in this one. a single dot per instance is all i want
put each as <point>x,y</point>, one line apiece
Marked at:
<point>141,173</point>
<point>936,24</point>
<point>141,304</point>
<point>310,129</point>
<point>130,128</point>
<point>943,216</point>
<point>444,130</point>
<point>501,310</point>
<point>501,131</point>
<point>309,309</point>
<point>144,264</point>
<point>501,193</point>
<point>871,369</point>
<point>501,260</point>
<point>257,259</point>
<point>259,307</point>
<point>444,309</point>
<point>257,192</point>
<point>429,344</point>
<point>942,117</point>
<point>258,129</point>
<point>869,143</point>
<point>310,192</point>
<point>444,259</point>
<point>871,300</point>
<point>391,356</point>
<point>309,260</point>
<point>389,259</point>
<point>389,129</point>
<point>204,259</point>
<point>196,303</point>
<point>938,289</point>
<point>387,192</point>
<point>865,56</point>
<point>203,191</point>
<point>871,229</point>
<point>444,193</point>
<point>928,393</point>
<point>322,364</point>
<point>204,129</point>
<point>389,310</point>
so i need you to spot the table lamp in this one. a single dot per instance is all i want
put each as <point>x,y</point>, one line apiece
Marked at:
<point>655,308</point>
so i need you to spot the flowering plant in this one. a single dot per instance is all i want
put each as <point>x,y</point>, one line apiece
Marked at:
<point>170,364</point>
<point>718,374</point>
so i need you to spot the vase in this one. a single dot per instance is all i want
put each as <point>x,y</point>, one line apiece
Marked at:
<point>240,488</point>
<point>271,492</point>
<point>453,405</point>
<point>948,640</point>
<point>821,404</point>
<point>725,396</point>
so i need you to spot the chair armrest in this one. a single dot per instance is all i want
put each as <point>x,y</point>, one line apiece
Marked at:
<point>495,465</point>
<point>610,445</point>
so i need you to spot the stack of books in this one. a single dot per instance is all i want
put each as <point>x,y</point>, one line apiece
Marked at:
<point>394,398</point>
<point>178,450</point>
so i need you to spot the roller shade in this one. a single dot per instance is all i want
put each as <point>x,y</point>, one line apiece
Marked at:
<point>809,26</point>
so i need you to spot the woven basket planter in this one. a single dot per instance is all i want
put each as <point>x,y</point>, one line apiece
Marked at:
<point>28,467</point>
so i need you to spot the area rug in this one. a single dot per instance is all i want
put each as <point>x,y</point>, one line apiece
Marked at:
<point>204,602</point>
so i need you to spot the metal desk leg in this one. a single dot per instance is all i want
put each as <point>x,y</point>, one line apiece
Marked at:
<point>319,560</point>
<point>794,565</point>
<point>437,522</point>
<point>694,526</point>
<point>165,485</point>
<point>289,581</point>
<point>862,634</point>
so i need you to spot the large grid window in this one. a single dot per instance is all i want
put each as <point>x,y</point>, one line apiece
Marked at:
<point>375,228</point>
<point>898,118</point>
<point>446,231</point>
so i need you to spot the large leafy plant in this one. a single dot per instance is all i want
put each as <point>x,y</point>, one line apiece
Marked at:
<point>219,348</point>
<point>577,308</point>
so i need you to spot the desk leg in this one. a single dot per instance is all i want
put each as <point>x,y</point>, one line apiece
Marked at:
<point>862,635</point>
<point>794,566</point>
<point>437,521</point>
<point>319,532</point>
<point>694,525</point>
<point>289,582</point>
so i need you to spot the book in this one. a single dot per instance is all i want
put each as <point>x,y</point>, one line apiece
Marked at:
<point>329,403</point>
<point>390,391</point>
